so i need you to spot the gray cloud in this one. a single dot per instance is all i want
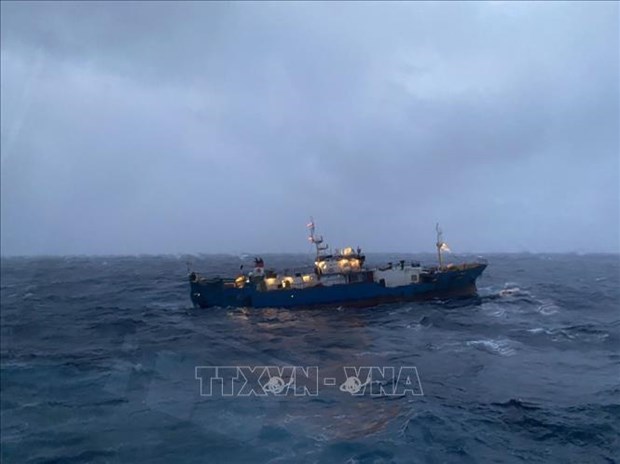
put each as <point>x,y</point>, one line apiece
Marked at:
<point>165,127</point>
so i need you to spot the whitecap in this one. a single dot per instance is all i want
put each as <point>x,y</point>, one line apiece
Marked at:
<point>540,330</point>
<point>509,291</point>
<point>548,307</point>
<point>501,347</point>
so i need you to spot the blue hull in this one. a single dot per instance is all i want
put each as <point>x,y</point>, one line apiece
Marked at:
<point>444,284</point>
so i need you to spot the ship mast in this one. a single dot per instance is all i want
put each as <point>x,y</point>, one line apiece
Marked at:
<point>441,245</point>
<point>317,240</point>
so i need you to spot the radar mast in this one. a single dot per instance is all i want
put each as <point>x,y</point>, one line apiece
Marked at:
<point>315,239</point>
<point>441,245</point>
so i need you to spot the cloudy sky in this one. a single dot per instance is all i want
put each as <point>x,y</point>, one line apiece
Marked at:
<point>221,127</point>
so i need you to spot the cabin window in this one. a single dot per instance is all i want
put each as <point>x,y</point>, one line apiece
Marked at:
<point>414,278</point>
<point>356,278</point>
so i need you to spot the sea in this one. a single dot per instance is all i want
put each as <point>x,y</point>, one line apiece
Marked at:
<point>104,360</point>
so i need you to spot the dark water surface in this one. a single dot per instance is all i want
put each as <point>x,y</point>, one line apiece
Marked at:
<point>99,357</point>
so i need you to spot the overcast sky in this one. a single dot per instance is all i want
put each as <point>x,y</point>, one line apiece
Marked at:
<point>221,127</point>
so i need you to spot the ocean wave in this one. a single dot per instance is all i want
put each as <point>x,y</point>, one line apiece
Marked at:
<point>588,333</point>
<point>548,307</point>
<point>502,347</point>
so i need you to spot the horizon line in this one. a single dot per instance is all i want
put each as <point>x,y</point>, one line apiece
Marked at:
<point>268,253</point>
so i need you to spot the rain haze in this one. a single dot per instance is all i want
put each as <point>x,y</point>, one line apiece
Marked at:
<point>222,127</point>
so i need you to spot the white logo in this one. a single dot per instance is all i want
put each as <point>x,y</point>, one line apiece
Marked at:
<point>263,381</point>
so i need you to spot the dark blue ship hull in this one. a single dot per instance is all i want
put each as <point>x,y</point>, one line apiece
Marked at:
<point>447,283</point>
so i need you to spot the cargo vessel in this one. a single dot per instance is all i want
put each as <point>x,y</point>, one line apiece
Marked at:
<point>338,278</point>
